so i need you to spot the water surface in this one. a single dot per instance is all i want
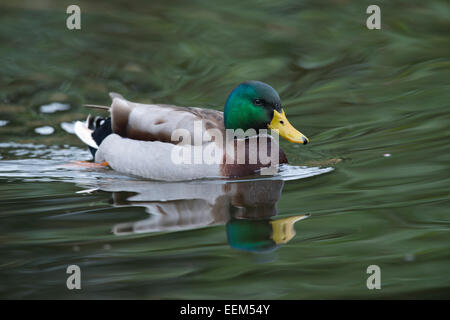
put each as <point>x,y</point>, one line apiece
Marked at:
<point>372,187</point>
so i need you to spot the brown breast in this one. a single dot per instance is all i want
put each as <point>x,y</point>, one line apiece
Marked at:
<point>239,166</point>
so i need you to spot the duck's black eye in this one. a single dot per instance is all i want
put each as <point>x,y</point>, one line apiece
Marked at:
<point>258,102</point>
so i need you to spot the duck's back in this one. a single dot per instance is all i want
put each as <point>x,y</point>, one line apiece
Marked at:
<point>158,122</point>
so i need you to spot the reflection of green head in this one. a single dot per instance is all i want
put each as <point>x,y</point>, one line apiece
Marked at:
<point>261,235</point>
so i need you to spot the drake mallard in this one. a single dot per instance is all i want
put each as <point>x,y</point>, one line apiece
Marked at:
<point>137,139</point>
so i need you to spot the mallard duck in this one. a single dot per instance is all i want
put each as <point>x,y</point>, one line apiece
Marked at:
<point>144,139</point>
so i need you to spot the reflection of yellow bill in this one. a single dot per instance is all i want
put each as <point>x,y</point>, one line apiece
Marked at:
<point>285,129</point>
<point>283,229</point>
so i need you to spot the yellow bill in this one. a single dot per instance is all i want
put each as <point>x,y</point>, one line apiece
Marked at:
<point>285,129</point>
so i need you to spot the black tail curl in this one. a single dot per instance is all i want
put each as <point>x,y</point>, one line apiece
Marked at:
<point>101,129</point>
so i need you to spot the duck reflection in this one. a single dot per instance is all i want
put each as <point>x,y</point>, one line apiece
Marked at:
<point>248,209</point>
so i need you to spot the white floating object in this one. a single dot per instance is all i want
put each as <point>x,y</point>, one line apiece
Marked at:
<point>88,191</point>
<point>3,123</point>
<point>53,107</point>
<point>386,155</point>
<point>68,127</point>
<point>45,130</point>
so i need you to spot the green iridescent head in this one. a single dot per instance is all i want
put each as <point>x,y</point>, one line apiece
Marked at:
<point>250,106</point>
<point>256,105</point>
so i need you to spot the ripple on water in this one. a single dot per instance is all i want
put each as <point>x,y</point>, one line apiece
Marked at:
<point>54,107</point>
<point>45,130</point>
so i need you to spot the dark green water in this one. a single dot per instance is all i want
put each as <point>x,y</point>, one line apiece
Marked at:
<point>375,104</point>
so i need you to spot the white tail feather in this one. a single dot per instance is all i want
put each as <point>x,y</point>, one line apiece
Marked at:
<point>85,134</point>
<point>116,95</point>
